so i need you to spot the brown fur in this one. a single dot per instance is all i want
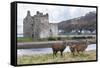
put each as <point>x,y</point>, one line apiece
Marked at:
<point>78,46</point>
<point>58,47</point>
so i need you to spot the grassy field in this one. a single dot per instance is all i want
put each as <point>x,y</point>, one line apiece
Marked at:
<point>67,37</point>
<point>24,39</point>
<point>48,58</point>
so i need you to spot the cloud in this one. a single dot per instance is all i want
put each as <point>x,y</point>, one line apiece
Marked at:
<point>56,13</point>
<point>79,11</point>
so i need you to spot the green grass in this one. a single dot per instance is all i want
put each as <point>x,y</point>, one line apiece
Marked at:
<point>68,37</point>
<point>24,39</point>
<point>48,58</point>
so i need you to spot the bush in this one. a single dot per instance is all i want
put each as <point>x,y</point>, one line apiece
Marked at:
<point>89,37</point>
<point>52,38</point>
<point>83,37</point>
<point>42,39</point>
<point>59,38</point>
<point>79,37</point>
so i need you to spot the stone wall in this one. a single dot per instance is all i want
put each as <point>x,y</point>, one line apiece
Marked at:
<point>38,26</point>
<point>27,31</point>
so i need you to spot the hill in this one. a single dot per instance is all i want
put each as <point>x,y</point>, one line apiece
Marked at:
<point>83,23</point>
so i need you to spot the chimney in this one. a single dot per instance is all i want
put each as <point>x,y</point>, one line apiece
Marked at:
<point>37,12</point>
<point>46,14</point>
<point>28,13</point>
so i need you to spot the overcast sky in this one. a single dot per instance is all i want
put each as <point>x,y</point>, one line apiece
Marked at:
<point>56,13</point>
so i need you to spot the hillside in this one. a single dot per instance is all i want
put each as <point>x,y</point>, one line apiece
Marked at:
<point>86,22</point>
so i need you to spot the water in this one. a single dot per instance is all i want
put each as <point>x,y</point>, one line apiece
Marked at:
<point>47,50</point>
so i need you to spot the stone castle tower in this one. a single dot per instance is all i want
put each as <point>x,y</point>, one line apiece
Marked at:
<point>38,26</point>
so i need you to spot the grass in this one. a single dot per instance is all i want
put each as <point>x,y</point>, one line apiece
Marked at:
<point>24,39</point>
<point>48,58</point>
<point>68,37</point>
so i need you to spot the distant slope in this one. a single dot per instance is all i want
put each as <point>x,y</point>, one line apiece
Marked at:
<point>86,22</point>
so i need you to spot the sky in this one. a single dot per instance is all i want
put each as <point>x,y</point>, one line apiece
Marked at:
<point>56,13</point>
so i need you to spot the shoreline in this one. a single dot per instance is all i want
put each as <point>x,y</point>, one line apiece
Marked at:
<point>47,50</point>
<point>45,44</point>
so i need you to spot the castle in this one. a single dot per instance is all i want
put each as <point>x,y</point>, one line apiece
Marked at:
<point>38,26</point>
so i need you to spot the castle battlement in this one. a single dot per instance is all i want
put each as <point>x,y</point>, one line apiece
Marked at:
<point>40,14</point>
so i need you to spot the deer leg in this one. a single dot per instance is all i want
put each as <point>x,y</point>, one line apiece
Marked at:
<point>61,53</point>
<point>73,51</point>
<point>56,53</point>
<point>53,54</point>
<point>77,51</point>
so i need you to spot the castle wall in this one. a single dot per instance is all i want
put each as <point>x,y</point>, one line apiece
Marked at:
<point>41,27</point>
<point>27,31</point>
<point>38,26</point>
<point>45,27</point>
<point>54,29</point>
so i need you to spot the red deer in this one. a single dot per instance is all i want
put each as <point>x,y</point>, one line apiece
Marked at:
<point>78,47</point>
<point>58,47</point>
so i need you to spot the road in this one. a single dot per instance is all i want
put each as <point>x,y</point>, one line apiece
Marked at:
<point>21,45</point>
<point>46,44</point>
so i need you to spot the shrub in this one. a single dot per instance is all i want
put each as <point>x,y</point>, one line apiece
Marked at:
<point>89,37</point>
<point>83,37</point>
<point>52,38</point>
<point>59,38</point>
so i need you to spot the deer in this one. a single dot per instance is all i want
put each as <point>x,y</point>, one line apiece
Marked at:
<point>58,47</point>
<point>78,47</point>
